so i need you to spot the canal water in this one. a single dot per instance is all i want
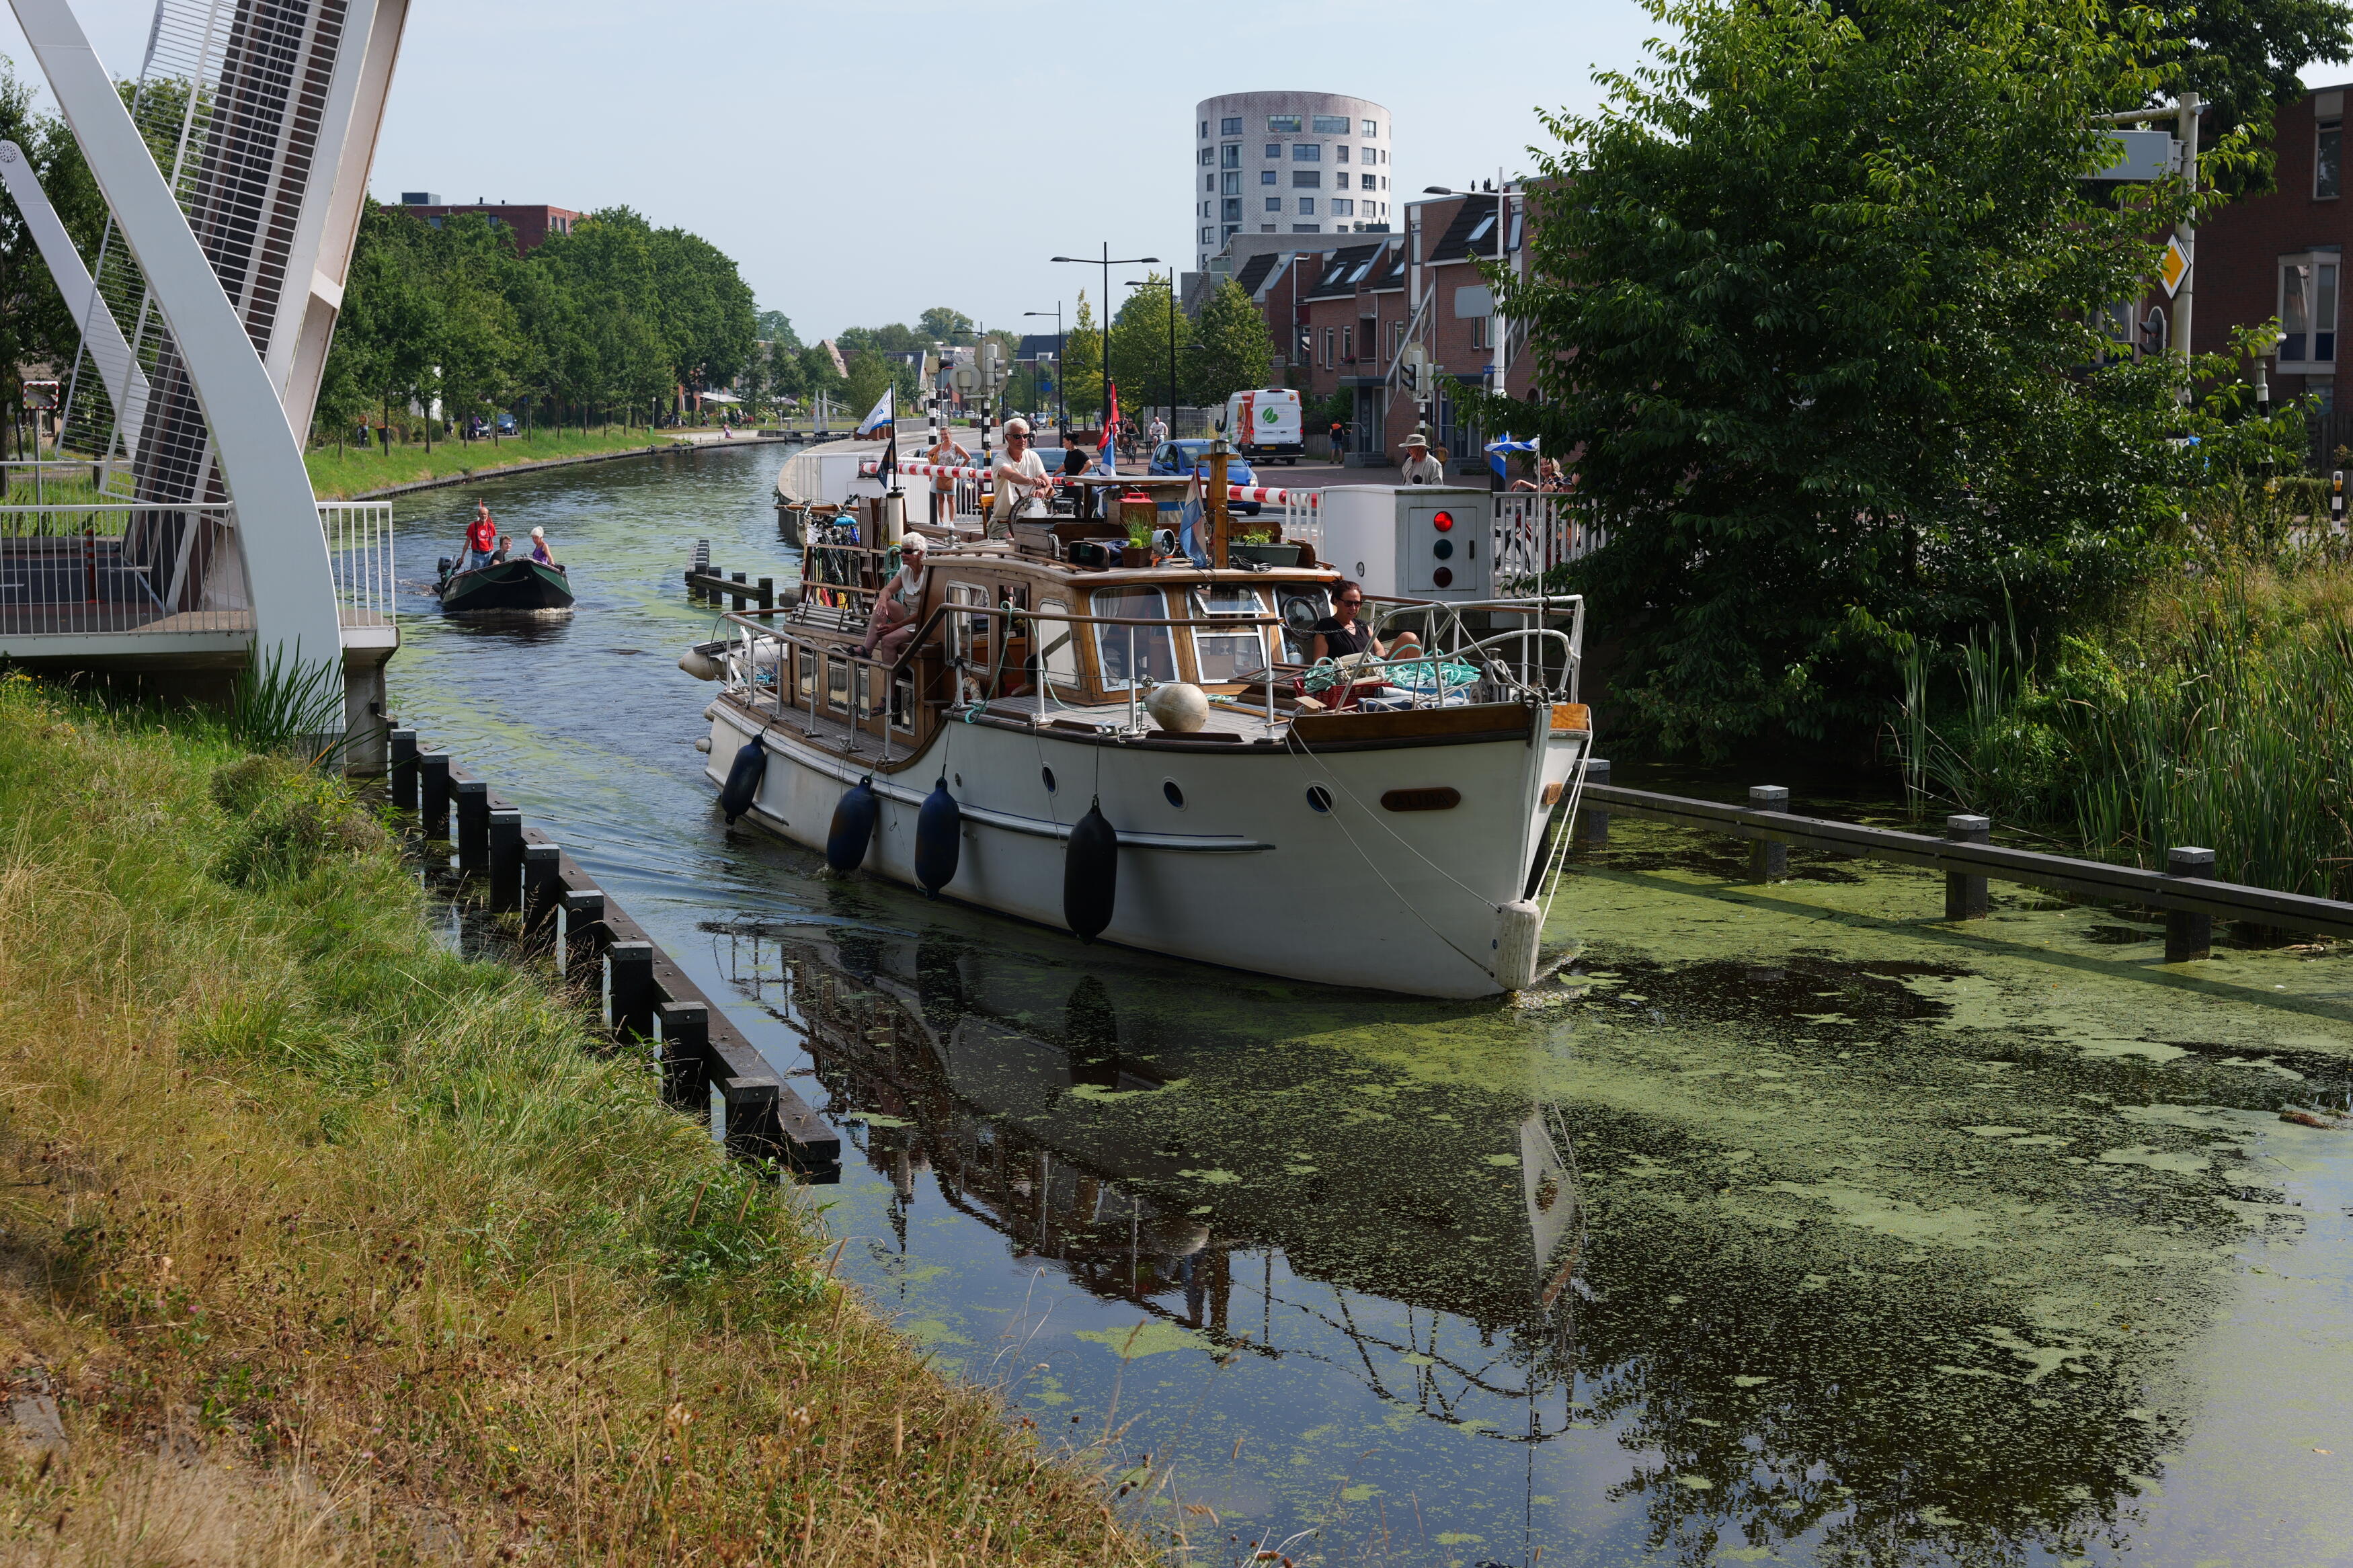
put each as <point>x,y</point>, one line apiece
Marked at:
<point>1794,1226</point>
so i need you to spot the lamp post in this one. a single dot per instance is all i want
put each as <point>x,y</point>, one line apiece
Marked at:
<point>1169,284</point>
<point>1107,261</point>
<point>1061,391</point>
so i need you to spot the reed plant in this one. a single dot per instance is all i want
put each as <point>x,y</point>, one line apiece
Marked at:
<point>326,1245</point>
<point>2216,709</point>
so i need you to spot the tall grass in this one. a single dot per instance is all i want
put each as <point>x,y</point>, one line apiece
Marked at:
<point>2216,711</point>
<point>332,1247</point>
<point>282,703</point>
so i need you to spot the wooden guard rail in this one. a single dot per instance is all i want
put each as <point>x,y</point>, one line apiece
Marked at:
<point>699,1048</point>
<point>2186,890</point>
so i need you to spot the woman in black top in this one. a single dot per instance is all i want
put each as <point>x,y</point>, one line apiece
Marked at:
<point>1074,463</point>
<point>1339,634</point>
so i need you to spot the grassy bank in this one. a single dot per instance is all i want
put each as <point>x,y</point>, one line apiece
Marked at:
<point>340,474</point>
<point>2216,709</point>
<point>331,1247</point>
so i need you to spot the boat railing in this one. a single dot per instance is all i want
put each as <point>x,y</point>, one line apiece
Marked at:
<point>1534,662</point>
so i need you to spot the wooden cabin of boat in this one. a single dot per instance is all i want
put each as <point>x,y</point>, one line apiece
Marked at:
<point>991,632</point>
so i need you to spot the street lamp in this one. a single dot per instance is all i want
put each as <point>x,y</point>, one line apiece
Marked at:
<point>1061,390</point>
<point>1107,261</point>
<point>1169,284</point>
<point>1501,189</point>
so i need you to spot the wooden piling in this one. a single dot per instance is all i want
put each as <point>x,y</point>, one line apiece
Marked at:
<point>404,769</point>
<point>433,796</point>
<point>2187,934</point>
<point>685,1047</point>
<point>1966,897</point>
<point>1592,821</point>
<point>1768,858</point>
<point>584,937</point>
<point>735,601</point>
<point>768,594</point>
<point>631,967</point>
<point>542,887</point>
<point>505,860</point>
<point>473,797</point>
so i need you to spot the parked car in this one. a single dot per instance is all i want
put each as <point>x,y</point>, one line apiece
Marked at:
<point>507,426</point>
<point>1192,455</point>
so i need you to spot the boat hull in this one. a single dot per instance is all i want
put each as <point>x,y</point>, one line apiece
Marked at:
<point>1238,867</point>
<point>508,588</point>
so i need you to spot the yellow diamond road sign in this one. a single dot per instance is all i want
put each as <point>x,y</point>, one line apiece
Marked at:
<point>2175,267</point>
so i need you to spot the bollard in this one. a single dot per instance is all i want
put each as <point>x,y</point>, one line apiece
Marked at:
<point>632,988</point>
<point>2187,934</point>
<point>1593,825</point>
<point>1769,859</point>
<point>542,885</point>
<point>473,826</point>
<point>1966,897</point>
<point>505,860</point>
<point>584,927</point>
<point>685,1061</point>
<point>767,595</point>
<point>404,769</point>
<point>433,794</point>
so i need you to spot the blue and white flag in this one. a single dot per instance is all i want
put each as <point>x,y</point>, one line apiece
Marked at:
<point>879,418</point>
<point>1499,452</point>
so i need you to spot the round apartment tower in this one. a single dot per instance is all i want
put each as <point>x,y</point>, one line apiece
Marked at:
<point>1288,163</point>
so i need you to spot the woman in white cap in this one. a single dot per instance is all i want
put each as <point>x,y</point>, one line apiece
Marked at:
<point>1021,476</point>
<point>892,625</point>
<point>539,551</point>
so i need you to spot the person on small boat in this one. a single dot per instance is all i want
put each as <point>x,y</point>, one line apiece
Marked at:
<point>539,551</point>
<point>893,623</point>
<point>482,538</point>
<point>499,556</point>
<point>948,453</point>
<point>1340,634</point>
<point>1021,476</point>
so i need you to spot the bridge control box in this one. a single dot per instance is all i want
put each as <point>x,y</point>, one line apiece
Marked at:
<point>1413,541</point>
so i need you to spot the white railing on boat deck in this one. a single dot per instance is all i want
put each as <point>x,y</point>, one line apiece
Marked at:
<point>359,552</point>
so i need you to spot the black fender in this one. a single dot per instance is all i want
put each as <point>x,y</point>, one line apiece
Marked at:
<point>854,819</point>
<point>939,839</point>
<point>1090,874</point>
<point>744,775</point>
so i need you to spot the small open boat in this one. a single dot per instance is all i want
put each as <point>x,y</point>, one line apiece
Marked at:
<point>506,588</point>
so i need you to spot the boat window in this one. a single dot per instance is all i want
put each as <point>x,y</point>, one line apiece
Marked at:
<point>1125,653</point>
<point>804,663</point>
<point>903,704</point>
<point>1229,653</point>
<point>1057,655</point>
<point>837,683</point>
<point>967,635</point>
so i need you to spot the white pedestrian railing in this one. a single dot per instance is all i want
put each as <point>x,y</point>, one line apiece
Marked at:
<point>1534,533</point>
<point>359,552</point>
<point>79,557</point>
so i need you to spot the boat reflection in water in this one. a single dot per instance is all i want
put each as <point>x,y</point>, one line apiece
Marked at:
<point>1407,1302</point>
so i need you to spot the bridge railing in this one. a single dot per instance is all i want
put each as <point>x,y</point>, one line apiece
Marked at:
<point>359,552</point>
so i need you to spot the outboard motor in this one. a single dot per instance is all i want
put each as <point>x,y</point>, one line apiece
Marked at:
<point>1090,874</point>
<point>853,828</point>
<point>939,839</point>
<point>744,777</point>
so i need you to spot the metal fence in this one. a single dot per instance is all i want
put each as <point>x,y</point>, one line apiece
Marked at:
<point>359,550</point>
<point>1534,533</point>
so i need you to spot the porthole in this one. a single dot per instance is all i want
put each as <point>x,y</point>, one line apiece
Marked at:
<point>1175,797</point>
<point>1318,798</point>
<point>1046,774</point>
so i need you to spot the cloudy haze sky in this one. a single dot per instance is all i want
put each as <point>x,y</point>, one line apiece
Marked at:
<point>863,160</point>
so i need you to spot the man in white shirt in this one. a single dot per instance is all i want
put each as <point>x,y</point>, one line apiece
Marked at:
<point>1021,476</point>
<point>1159,431</point>
<point>1419,468</point>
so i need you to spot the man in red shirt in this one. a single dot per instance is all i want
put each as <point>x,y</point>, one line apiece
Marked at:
<point>482,538</point>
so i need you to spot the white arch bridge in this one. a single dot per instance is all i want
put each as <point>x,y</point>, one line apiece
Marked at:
<point>171,535</point>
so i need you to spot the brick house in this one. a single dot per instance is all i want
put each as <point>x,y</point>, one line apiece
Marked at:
<point>531,224</point>
<point>2281,255</point>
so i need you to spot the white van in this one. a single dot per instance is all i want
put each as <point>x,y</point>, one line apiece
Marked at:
<point>1266,424</point>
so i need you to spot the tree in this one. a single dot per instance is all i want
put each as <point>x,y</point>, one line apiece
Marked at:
<point>35,326</point>
<point>941,325</point>
<point>1140,341</point>
<point>2245,56</point>
<point>1813,298</point>
<point>1082,382</point>
<point>774,327</point>
<point>1236,352</point>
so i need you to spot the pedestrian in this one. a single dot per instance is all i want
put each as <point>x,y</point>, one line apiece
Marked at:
<point>1419,468</point>
<point>482,538</point>
<point>1339,432</point>
<point>948,454</point>
<point>1547,479</point>
<point>1159,432</point>
<point>1019,470</point>
<point>892,625</point>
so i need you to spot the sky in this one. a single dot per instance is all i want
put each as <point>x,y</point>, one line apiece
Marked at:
<point>862,161</point>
